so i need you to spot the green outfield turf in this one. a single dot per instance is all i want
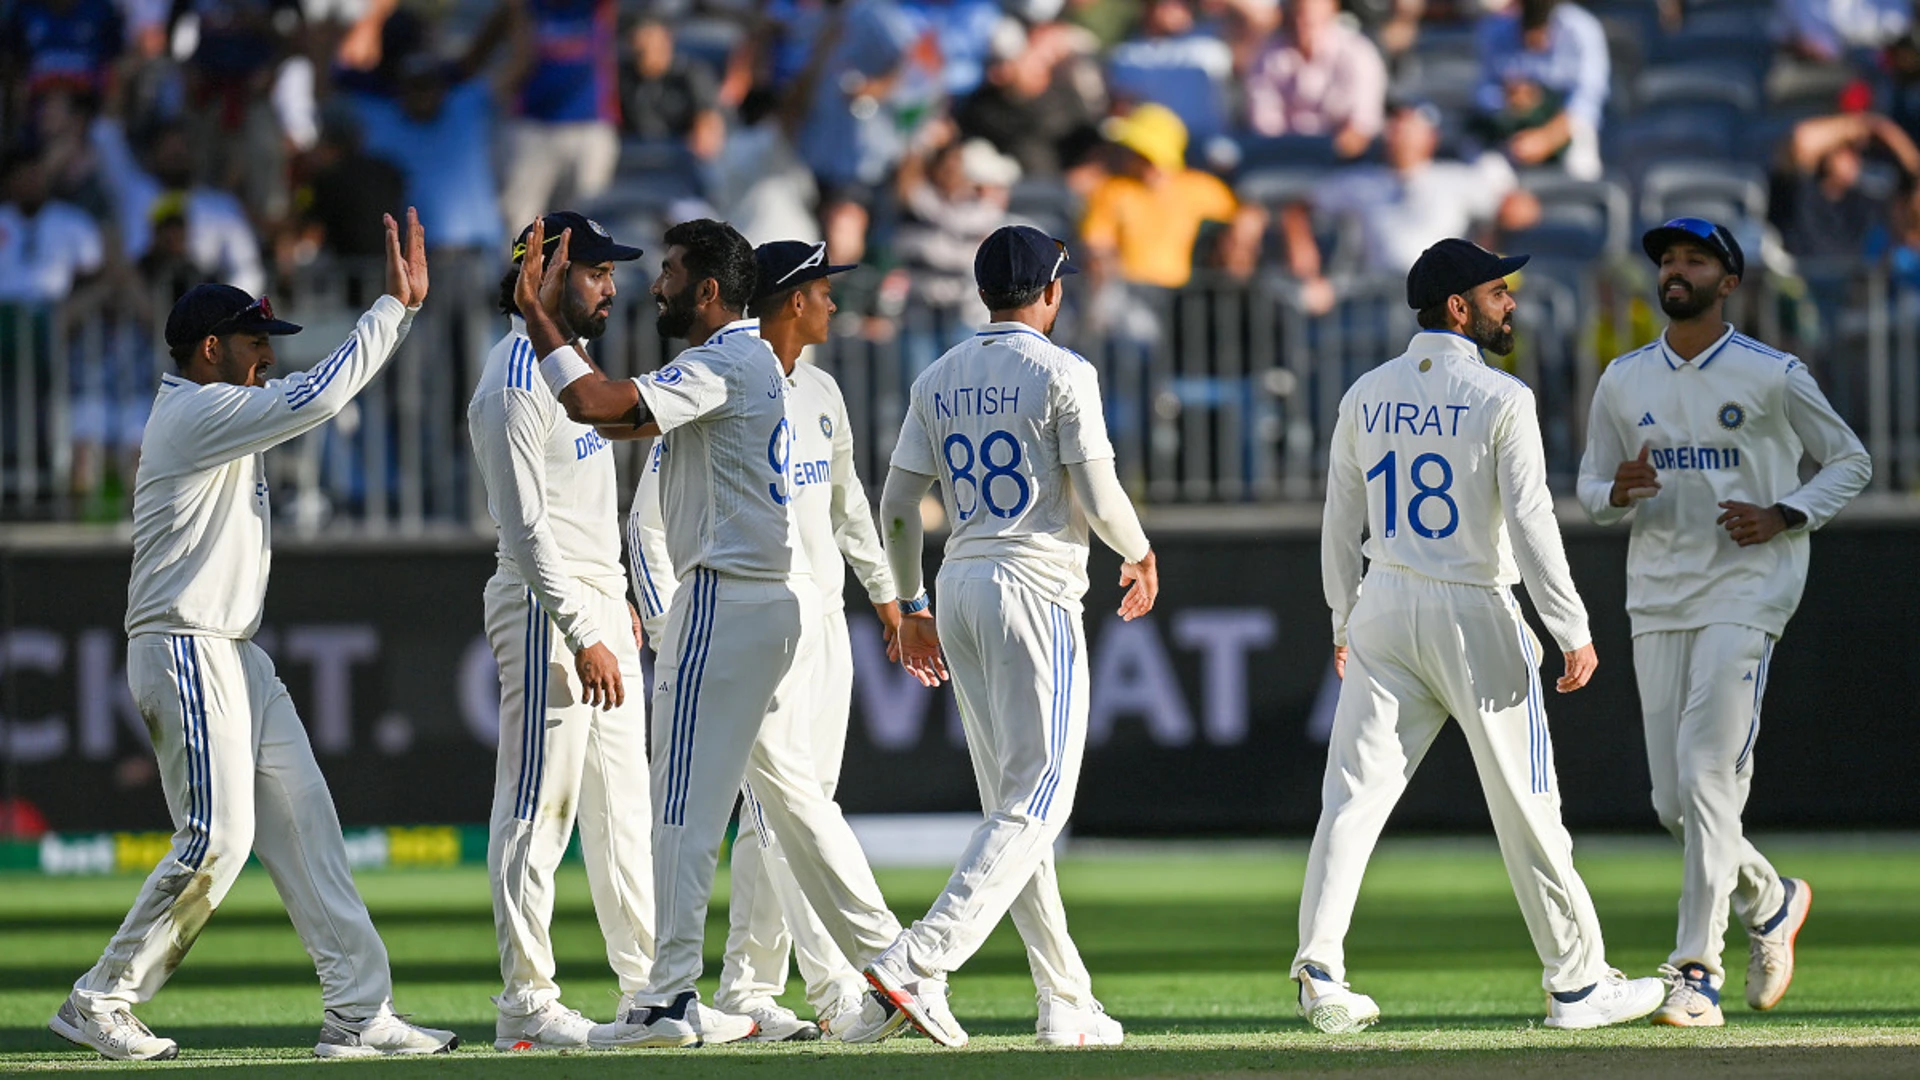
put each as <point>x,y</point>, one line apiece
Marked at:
<point>1189,947</point>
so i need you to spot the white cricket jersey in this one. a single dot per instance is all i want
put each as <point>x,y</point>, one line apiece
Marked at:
<point>997,420</point>
<point>1730,425</point>
<point>726,488</point>
<point>1439,457</point>
<point>836,524</point>
<point>551,489</point>
<point>202,529</point>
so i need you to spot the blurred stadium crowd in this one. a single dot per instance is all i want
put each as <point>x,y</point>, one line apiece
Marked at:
<point>1299,152</point>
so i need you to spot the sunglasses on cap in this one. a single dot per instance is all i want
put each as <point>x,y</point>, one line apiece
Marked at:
<point>260,310</point>
<point>817,258</point>
<point>1058,262</point>
<point>1699,227</point>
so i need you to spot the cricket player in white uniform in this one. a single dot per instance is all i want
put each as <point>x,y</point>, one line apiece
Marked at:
<point>1699,436</point>
<point>573,721</point>
<point>1438,458</point>
<point>796,764</point>
<point>1011,426</point>
<point>743,598</point>
<point>235,765</point>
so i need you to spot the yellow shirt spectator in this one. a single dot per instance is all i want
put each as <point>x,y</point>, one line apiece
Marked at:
<point>1152,224</point>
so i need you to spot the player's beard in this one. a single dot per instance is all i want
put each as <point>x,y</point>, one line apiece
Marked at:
<point>585,322</point>
<point>676,314</point>
<point>1491,333</point>
<point>1687,306</point>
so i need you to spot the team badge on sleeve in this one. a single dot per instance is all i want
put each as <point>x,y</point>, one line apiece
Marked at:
<point>1732,416</point>
<point>826,425</point>
<point>668,376</point>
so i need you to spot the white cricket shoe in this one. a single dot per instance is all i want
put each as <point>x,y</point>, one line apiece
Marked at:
<point>924,1000</point>
<point>1615,999</point>
<point>869,1018</point>
<point>777,1023</point>
<point>1692,999</point>
<point>384,1034</point>
<point>1770,959</point>
<point>686,1022</point>
<point>118,1035</point>
<point>1331,1007</point>
<point>552,1026</point>
<point>1062,1024</point>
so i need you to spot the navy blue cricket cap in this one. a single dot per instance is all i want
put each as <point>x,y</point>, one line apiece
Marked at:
<point>215,310</point>
<point>1715,238</point>
<point>1020,257</point>
<point>784,264</point>
<point>1454,266</point>
<point>590,242</point>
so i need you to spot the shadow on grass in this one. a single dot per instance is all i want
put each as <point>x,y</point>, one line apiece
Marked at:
<point>921,1060</point>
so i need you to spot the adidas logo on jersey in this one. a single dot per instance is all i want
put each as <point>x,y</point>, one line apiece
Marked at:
<point>1647,420</point>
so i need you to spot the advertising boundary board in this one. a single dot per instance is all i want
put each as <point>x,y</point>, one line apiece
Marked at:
<point>1207,718</point>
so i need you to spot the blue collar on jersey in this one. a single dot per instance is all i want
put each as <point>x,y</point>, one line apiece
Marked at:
<point>1001,329</point>
<point>1699,362</point>
<point>734,327</point>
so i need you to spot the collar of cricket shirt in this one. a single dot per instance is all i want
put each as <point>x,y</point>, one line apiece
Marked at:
<point>1699,362</point>
<point>1444,343</point>
<point>751,326</point>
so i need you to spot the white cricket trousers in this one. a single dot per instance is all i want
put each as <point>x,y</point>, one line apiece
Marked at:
<point>1700,697</point>
<point>549,166</point>
<point>239,776</point>
<point>796,862</point>
<point>729,642</point>
<point>560,761</point>
<point>1019,667</point>
<point>1418,651</point>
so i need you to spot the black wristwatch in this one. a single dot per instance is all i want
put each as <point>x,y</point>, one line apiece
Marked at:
<point>1793,518</point>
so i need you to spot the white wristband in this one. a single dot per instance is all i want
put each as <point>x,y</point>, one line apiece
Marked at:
<point>562,366</point>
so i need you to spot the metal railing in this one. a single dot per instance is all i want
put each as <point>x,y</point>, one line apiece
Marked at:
<point>1223,392</point>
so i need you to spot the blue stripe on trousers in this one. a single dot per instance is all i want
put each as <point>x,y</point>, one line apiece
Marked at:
<point>1062,659</point>
<point>686,703</point>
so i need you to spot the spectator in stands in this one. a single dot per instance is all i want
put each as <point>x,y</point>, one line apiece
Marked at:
<point>564,142</point>
<point>235,135</point>
<point>1821,203</point>
<point>347,191</point>
<point>47,247</point>
<point>853,138</point>
<point>63,43</point>
<point>1405,205</point>
<point>763,188</point>
<point>1898,246</point>
<point>1109,21</point>
<point>1827,30</point>
<point>1318,77</point>
<point>1171,61</point>
<point>1042,99</point>
<point>1544,81</point>
<point>667,98</point>
<point>1144,224</point>
<point>953,193</point>
<point>956,35</point>
<point>437,126</point>
<point>219,234</point>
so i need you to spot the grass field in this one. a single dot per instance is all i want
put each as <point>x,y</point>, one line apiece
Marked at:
<point>1188,946</point>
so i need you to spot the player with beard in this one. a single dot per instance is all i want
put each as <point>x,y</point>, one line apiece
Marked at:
<point>1438,458</point>
<point>1716,566</point>
<point>572,738</point>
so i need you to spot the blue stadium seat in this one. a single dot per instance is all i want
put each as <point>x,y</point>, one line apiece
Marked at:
<point>1724,191</point>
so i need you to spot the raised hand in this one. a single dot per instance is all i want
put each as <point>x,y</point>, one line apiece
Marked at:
<point>537,290</point>
<point>407,273</point>
<point>1635,480</point>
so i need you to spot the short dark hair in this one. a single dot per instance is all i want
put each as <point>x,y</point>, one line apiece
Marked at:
<point>1435,316</point>
<point>183,353</point>
<point>760,306</point>
<point>715,249</point>
<point>507,282</point>
<point>1534,14</point>
<point>1008,301</point>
